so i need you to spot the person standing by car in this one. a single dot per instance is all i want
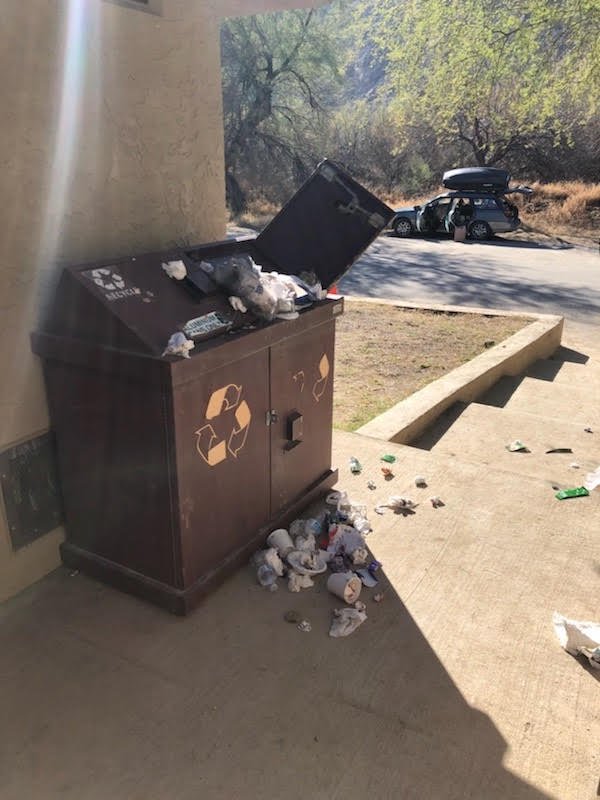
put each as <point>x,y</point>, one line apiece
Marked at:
<point>456,221</point>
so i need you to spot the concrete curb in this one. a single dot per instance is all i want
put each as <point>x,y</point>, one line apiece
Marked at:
<point>408,419</point>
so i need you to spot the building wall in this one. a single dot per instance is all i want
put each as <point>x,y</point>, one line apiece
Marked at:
<point>111,142</point>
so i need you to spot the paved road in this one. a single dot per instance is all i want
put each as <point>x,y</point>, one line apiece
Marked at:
<point>501,274</point>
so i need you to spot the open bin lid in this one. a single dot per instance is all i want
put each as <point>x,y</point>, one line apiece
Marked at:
<point>324,227</point>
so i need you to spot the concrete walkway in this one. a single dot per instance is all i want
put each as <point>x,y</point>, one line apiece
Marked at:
<point>455,688</point>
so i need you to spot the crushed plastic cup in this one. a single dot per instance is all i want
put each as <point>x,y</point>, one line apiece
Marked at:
<point>281,541</point>
<point>345,585</point>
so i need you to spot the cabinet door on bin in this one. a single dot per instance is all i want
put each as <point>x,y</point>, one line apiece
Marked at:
<point>222,452</point>
<point>302,397</point>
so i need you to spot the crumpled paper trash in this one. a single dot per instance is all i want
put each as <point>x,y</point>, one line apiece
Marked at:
<point>175,269</point>
<point>273,560</point>
<point>270,557</point>
<point>297,582</point>
<point>398,504</point>
<point>306,541</point>
<point>346,620</point>
<point>268,295</point>
<point>592,480</point>
<point>579,638</point>
<point>346,540</point>
<point>178,345</point>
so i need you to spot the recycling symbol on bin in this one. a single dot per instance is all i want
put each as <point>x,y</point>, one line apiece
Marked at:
<point>321,383</point>
<point>231,416</point>
<point>107,279</point>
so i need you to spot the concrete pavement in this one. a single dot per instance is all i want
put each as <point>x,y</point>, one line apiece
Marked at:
<point>543,277</point>
<point>455,687</point>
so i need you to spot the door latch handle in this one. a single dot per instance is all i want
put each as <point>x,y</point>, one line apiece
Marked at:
<point>295,429</point>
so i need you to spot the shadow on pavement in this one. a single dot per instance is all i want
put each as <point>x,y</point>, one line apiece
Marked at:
<point>496,241</point>
<point>393,269</point>
<point>110,697</point>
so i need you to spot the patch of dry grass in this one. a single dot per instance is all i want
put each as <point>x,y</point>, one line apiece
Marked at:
<point>384,354</point>
<point>564,208</point>
<point>257,215</point>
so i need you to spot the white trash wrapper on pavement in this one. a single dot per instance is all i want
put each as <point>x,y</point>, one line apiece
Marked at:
<point>579,638</point>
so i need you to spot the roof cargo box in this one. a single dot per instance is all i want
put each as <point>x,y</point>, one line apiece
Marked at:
<point>476,178</point>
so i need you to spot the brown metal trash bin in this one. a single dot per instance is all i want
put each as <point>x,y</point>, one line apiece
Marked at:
<point>174,470</point>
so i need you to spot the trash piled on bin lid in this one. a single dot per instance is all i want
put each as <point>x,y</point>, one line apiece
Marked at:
<point>267,295</point>
<point>333,541</point>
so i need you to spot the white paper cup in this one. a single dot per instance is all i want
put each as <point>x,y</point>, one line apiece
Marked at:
<point>281,541</point>
<point>346,585</point>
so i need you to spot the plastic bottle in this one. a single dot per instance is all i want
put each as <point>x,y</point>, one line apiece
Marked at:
<point>267,577</point>
<point>355,466</point>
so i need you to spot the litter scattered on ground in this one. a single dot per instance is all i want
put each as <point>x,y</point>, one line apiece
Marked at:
<point>345,585</point>
<point>398,504</point>
<point>517,447</point>
<point>592,480</point>
<point>297,582</point>
<point>387,473</point>
<point>307,563</point>
<point>588,430</point>
<point>346,620</point>
<point>267,577</point>
<point>575,465</point>
<point>565,494</point>
<point>355,466</point>
<point>388,458</point>
<point>579,638</point>
<point>282,541</point>
<point>367,578</point>
<point>272,559</point>
<point>559,450</point>
<point>332,541</point>
<point>305,626</point>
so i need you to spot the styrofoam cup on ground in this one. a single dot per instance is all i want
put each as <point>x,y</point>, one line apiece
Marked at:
<point>346,585</point>
<point>281,541</point>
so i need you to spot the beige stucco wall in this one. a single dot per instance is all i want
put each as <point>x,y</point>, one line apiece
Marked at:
<point>111,142</point>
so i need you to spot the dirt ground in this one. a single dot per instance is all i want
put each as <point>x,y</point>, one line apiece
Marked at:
<point>385,353</point>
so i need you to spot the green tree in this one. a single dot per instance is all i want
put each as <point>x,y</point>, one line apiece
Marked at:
<point>275,70</point>
<point>492,75</point>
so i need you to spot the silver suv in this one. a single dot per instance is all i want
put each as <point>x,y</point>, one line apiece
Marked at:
<point>478,201</point>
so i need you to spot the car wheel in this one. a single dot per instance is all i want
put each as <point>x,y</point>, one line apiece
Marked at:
<point>403,227</point>
<point>480,231</point>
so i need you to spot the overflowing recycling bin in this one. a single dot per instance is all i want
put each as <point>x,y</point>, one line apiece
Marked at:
<point>190,419</point>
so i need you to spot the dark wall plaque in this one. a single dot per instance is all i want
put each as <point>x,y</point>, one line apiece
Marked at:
<point>30,489</point>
